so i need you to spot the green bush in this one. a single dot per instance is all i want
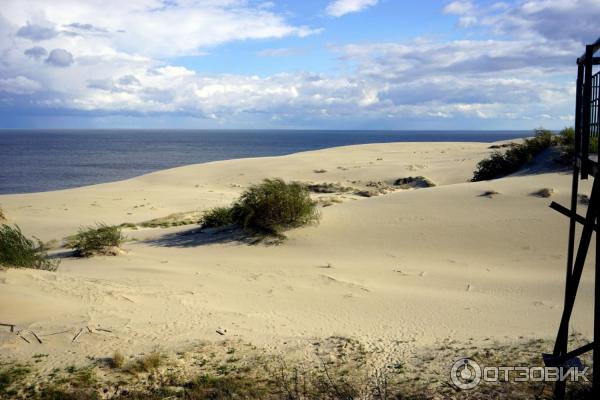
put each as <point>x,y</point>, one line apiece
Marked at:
<point>18,251</point>
<point>101,239</point>
<point>566,139</point>
<point>216,217</point>
<point>499,164</point>
<point>274,205</point>
<point>269,207</point>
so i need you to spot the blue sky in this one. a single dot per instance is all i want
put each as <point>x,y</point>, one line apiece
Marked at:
<point>330,64</point>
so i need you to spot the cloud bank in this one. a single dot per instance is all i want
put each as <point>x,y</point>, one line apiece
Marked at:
<point>85,58</point>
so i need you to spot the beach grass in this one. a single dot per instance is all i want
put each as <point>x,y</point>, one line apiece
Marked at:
<point>100,239</point>
<point>18,251</point>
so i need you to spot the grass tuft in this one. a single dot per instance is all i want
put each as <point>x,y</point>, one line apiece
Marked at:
<point>17,251</point>
<point>101,239</point>
<point>416,182</point>
<point>117,360</point>
<point>147,363</point>
<point>545,192</point>
<point>489,194</point>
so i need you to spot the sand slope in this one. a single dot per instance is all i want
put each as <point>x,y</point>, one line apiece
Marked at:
<point>405,268</point>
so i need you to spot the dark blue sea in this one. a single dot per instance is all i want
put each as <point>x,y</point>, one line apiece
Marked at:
<point>42,160</point>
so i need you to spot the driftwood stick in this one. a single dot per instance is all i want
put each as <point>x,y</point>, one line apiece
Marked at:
<point>12,326</point>
<point>89,329</point>
<point>78,333</point>
<point>103,330</point>
<point>36,336</point>
<point>25,339</point>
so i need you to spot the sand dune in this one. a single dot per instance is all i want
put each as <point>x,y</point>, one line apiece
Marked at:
<point>405,268</point>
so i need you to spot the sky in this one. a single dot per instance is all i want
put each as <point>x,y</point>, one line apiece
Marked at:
<point>297,64</point>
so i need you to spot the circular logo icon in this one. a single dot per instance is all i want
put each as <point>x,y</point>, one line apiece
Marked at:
<point>465,374</point>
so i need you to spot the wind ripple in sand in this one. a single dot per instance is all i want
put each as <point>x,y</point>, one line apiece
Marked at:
<point>327,279</point>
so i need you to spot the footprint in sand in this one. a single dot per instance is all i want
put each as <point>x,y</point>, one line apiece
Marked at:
<point>415,167</point>
<point>411,272</point>
<point>546,304</point>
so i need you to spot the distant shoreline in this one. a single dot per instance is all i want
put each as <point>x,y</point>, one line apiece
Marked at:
<point>44,160</point>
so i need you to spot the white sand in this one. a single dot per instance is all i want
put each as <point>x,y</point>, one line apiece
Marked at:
<point>413,267</point>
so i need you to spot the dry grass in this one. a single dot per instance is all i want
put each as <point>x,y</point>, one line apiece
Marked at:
<point>327,187</point>
<point>584,199</point>
<point>414,182</point>
<point>340,368</point>
<point>147,363</point>
<point>489,194</point>
<point>544,192</point>
<point>176,219</point>
<point>367,193</point>
<point>117,360</point>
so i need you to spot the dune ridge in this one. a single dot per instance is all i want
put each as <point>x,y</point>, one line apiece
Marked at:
<point>400,269</point>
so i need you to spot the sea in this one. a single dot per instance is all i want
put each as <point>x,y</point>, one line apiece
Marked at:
<point>42,160</point>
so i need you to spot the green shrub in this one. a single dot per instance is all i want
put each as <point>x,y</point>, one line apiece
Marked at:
<point>499,164</point>
<point>101,239</point>
<point>18,251</point>
<point>274,205</point>
<point>269,207</point>
<point>216,217</point>
<point>566,139</point>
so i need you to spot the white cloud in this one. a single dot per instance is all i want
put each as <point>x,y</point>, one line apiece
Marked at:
<point>524,74</point>
<point>152,28</point>
<point>19,85</point>
<point>548,19</point>
<point>459,7</point>
<point>338,8</point>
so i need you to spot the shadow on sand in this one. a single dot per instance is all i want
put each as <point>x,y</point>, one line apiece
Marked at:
<point>548,161</point>
<point>62,253</point>
<point>202,237</point>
